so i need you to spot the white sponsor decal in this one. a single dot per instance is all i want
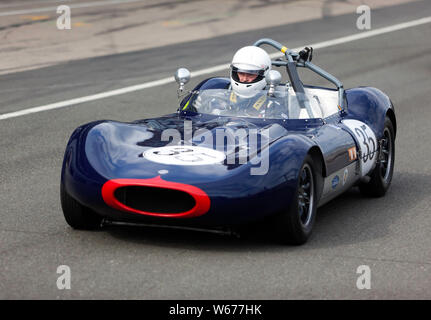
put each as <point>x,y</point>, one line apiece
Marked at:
<point>345,176</point>
<point>367,143</point>
<point>184,155</point>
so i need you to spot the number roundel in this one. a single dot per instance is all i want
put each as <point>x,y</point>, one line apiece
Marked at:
<point>184,155</point>
<point>367,143</point>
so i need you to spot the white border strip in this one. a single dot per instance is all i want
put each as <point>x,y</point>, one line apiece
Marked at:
<point>217,68</point>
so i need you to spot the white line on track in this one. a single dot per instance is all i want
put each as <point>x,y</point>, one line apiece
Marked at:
<point>221,67</point>
<point>72,6</point>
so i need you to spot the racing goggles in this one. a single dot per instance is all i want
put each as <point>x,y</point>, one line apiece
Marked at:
<point>252,76</point>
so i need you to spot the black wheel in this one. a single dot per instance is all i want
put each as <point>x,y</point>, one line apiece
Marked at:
<point>77,215</point>
<point>294,226</point>
<point>381,176</point>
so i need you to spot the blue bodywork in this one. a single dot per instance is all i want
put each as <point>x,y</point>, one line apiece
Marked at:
<point>104,150</point>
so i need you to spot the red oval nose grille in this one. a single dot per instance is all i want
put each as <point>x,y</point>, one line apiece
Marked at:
<point>156,197</point>
<point>155,200</point>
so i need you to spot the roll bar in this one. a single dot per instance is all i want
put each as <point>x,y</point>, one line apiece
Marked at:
<point>294,60</point>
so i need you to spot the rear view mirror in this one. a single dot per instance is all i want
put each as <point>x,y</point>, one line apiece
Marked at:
<point>273,78</point>
<point>182,76</point>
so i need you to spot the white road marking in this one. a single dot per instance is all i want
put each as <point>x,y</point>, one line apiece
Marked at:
<point>72,6</point>
<point>221,67</point>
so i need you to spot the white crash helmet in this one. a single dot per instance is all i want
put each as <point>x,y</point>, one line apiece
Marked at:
<point>253,60</point>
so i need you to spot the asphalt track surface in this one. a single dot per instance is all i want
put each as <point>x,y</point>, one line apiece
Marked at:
<point>391,235</point>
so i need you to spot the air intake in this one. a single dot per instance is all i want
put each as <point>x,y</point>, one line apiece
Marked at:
<point>155,200</point>
<point>156,197</point>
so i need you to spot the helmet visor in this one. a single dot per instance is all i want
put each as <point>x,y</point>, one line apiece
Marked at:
<point>246,75</point>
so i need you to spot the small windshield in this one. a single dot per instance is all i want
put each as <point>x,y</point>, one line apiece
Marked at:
<point>284,103</point>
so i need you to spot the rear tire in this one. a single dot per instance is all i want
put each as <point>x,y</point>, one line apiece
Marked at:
<point>381,176</point>
<point>294,226</point>
<point>76,215</point>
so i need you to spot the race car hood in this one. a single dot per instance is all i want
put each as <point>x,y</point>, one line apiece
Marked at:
<point>103,157</point>
<point>123,150</point>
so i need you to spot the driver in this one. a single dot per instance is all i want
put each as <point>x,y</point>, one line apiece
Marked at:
<point>249,67</point>
<point>246,96</point>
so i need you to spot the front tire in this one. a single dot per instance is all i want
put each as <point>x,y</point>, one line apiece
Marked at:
<point>76,215</point>
<point>381,176</point>
<point>294,226</point>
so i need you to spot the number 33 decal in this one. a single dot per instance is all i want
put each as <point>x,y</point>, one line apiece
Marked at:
<point>367,143</point>
<point>361,132</point>
<point>184,155</point>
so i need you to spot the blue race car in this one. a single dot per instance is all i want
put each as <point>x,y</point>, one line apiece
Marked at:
<point>216,164</point>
